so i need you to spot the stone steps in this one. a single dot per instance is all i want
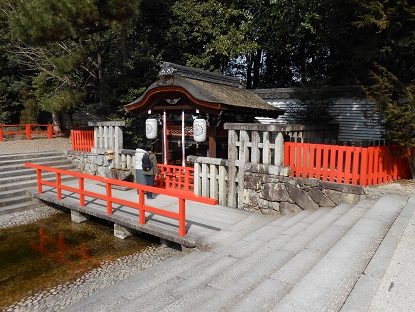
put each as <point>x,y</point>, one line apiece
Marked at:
<point>305,262</point>
<point>15,178</point>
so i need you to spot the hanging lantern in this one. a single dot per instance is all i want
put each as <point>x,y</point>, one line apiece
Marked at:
<point>199,129</point>
<point>151,128</point>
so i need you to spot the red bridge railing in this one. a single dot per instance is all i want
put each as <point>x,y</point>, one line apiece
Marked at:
<point>346,164</point>
<point>110,198</point>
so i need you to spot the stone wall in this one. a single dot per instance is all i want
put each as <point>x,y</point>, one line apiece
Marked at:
<point>268,193</point>
<point>98,163</point>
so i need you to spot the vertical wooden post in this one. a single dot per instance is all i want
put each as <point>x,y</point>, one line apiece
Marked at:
<point>266,148</point>
<point>81,192</point>
<point>50,132</point>
<point>197,187</point>
<point>108,197</point>
<point>39,181</point>
<point>28,136</point>
<point>213,192</point>
<point>212,141</point>
<point>142,212</point>
<point>1,133</point>
<point>255,147</point>
<point>364,167</point>
<point>243,159</point>
<point>232,169</point>
<point>223,188</point>
<point>58,186</point>
<point>182,217</point>
<point>279,150</point>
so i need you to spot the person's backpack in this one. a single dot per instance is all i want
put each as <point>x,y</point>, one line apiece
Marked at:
<point>146,162</point>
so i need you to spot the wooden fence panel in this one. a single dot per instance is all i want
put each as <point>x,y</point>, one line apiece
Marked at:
<point>345,164</point>
<point>82,140</point>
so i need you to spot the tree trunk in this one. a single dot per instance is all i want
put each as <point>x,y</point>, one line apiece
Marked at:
<point>257,66</point>
<point>124,51</point>
<point>249,71</point>
<point>57,121</point>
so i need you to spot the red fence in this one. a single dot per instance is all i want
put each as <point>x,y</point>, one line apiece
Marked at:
<point>175,177</point>
<point>82,140</point>
<point>110,198</point>
<point>26,129</point>
<point>346,164</point>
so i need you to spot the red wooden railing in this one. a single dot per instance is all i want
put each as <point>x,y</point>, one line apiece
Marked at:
<point>82,140</point>
<point>346,164</point>
<point>27,129</point>
<point>110,198</point>
<point>175,177</point>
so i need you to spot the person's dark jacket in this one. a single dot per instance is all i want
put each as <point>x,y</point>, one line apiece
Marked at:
<point>154,170</point>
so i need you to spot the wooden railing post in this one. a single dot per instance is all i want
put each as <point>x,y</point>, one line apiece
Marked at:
<point>50,132</point>
<point>182,217</point>
<point>28,136</point>
<point>81,192</point>
<point>141,211</point>
<point>39,181</point>
<point>108,195</point>
<point>58,186</point>
<point>1,133</point>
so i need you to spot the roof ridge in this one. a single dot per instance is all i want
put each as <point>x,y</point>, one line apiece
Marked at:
<point>168,69</point>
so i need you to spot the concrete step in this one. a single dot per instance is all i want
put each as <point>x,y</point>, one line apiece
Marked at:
<point>18,207</point>
<point>26,177</point>
<point>304,262</point>
<point>11,193</point>
<point>9,186</point>
<point>24,171</point>
<point>365,289</point>
<point>21,157</point>
<point>11,163</point>
<point>245,267</point>
<point>278,284</point>
<point>15,200</point>
<point>326,286</point>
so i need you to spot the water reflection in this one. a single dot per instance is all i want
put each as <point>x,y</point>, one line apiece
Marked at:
<point>73,257</point>
<point>53,251</point>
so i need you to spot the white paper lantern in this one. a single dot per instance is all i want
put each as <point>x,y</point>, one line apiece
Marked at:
<point>199,129</point>
<point>151,128</point>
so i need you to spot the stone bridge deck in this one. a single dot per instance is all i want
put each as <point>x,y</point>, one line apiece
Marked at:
<point>201,220</point>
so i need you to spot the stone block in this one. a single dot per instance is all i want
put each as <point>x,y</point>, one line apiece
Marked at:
<point>253,182</point>
<point>326,202</point>
<point>301,198</point>
<point>250,198</point>
<point>122,232</point>
<point>286,208</point>
<point>316,195</point>
<point>274,206</point>
<point>79,217</point>
<point>274,192</point>
<point>344,188</point>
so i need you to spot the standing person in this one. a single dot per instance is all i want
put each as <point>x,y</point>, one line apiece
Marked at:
<point>149,170</point>
<point>139,153</point>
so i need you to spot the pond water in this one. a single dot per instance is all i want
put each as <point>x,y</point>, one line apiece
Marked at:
<point>53,251</point>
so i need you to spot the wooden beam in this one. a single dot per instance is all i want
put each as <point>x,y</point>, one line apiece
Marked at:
<point>212,141</point>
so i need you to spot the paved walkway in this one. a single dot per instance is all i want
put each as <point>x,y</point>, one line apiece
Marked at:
<point>397,288</point>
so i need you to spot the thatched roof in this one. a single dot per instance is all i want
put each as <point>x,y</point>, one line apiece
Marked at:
<point>181,87</point>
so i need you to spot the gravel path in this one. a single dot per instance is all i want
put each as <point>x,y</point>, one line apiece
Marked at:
<point>108,273</point>
<point>35,145</point>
